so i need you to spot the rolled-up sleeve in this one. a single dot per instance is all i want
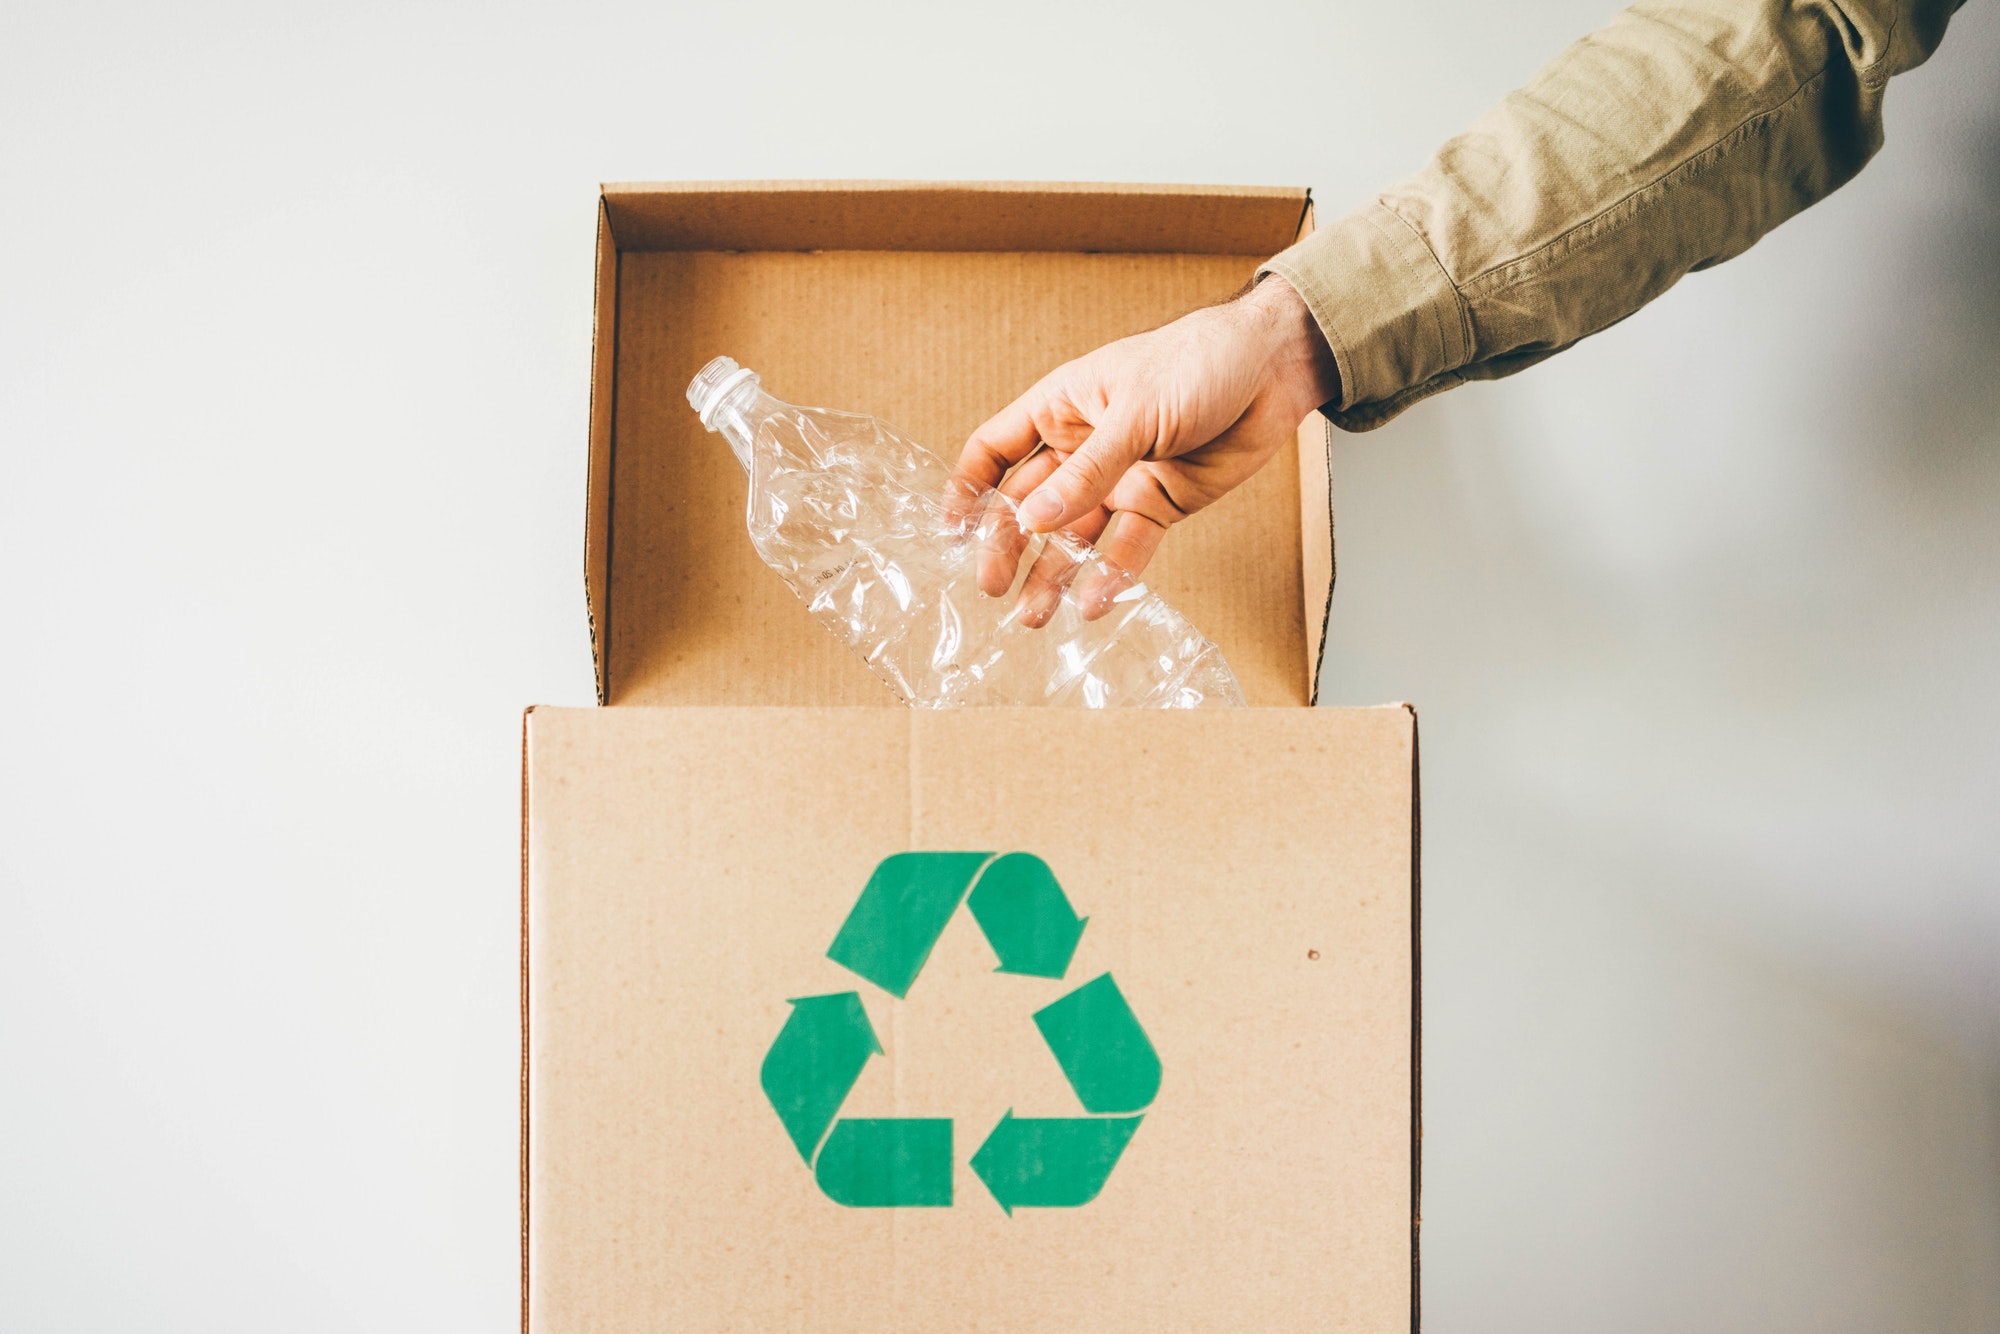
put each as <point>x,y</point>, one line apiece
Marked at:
<point>1666,142</point>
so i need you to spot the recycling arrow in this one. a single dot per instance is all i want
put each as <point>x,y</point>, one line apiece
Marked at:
<point>887,1162</point>
<point>1025,916</point>
<point>1059,1162</point>
<point>900,915</point>
<point>1098,1042</point>
<point>819,1054</point>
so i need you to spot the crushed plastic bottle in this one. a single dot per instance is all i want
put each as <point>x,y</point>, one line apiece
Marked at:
<point>860,522</point>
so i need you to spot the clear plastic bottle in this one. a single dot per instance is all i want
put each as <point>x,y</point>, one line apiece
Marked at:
<point>859,522</point>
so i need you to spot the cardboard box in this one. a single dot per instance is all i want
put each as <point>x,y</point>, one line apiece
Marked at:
<point>802,1049</point>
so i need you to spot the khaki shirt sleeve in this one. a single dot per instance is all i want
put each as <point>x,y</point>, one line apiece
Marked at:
<point>1669,141</point>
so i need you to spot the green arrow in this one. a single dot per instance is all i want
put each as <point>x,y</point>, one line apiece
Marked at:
<point>1098,1042</point>
<point>887,1163</point>
<point>1051,1162</point>
<point>900,915</point>
<point>1026,916</point>
<point>815,1061</point>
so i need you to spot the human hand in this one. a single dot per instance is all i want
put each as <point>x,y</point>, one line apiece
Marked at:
<point>1143,432</point>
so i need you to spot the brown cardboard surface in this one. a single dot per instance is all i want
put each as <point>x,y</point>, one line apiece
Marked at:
<point>687,870</point>
<point>932,342</point>
<point>950,300</point>
<point>603,377</point>
<point>954,215</point>
<point>1316,549</point>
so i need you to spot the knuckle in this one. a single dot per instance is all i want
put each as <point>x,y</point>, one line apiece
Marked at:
<point>1086,476</point>
<point>1167,507</point>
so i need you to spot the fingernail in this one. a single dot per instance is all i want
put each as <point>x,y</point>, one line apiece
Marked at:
<point>1041,509</point>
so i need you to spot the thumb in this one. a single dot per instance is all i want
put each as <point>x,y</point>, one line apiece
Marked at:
<point>1086,477</point>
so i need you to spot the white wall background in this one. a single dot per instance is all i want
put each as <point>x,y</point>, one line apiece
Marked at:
<point>1703,620</point>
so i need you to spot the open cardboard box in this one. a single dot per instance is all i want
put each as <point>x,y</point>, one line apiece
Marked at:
<point>699,1152</point>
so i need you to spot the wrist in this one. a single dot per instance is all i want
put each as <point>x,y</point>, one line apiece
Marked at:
<point>1297,358</point>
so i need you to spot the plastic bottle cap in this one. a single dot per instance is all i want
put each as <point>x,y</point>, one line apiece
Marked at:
<point>714,384</point>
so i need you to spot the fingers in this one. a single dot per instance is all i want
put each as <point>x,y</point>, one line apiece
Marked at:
<point>1124,542</point>
<point>1007,437</point>
<point>1086,477</point>
<point>1126,533</point>
<point>1002,540</point>
<point>1127,544</point>
<point>1054,569</point>
<point>1131,540</point>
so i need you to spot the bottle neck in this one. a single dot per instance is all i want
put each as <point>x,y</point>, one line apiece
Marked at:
<point>738,415</point>
<point>729,400</point>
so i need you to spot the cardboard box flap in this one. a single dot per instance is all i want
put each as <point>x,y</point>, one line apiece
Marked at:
<point>1316,549</point>
<point>930,307</point>
<point>597,504</point>
<point>992,216</point>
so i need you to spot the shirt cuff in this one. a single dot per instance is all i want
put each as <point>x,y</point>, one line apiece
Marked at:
<point>1388,309</point>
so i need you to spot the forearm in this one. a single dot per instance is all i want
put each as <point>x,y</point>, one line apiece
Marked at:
<point>1669,141</point>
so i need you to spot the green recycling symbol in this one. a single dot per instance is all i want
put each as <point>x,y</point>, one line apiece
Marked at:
<point>1056,1162</point>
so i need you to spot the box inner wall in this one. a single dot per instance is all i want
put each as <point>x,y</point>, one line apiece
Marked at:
<point>932,342</point>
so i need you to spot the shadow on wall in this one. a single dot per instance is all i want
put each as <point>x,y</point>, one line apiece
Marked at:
<point>1940,408</point>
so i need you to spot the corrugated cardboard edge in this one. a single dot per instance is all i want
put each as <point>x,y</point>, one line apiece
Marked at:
<point>526,717</point>
<point>1416,1029</point>
<point>842,185</point>
<point>949,216</point>
<point>1317,561</point>
<point>603,444</point>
